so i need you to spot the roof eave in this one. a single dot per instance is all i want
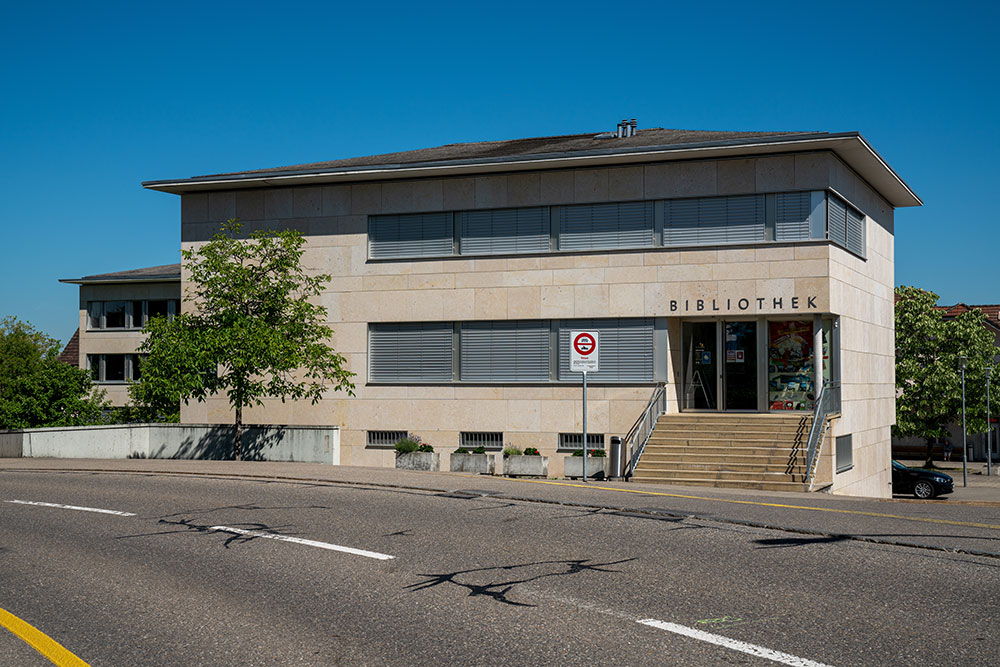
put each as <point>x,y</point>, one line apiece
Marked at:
<point>120,281</point>
<point>850,146</point>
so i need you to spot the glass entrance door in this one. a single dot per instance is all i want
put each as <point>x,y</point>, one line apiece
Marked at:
<point>740,366</point>
<point>700,366</point>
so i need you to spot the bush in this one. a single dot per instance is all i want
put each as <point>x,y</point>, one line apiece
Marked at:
<point>595,453</point>
<point>512,451</point>
<point>461,450</point>
<point>411,443</point>
<point>531,451</point>
<point>425,447</point>
<point>479,450</point>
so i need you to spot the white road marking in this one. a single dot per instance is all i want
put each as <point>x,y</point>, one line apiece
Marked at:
<point>71,507</point>
<point>719,640</point>
<point>310,543</point>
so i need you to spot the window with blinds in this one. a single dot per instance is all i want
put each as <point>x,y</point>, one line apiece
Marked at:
<point>713,220</point>
<point>625,348</point>
<point>597,226</point>
<point>792,211</point>
<point>504,231</point>
<point>845,226</point>
<point>410,352</point>
<point>410,235</point>
<point>506,351</point>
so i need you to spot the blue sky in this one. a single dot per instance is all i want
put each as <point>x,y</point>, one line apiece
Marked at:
<point>100,97</point>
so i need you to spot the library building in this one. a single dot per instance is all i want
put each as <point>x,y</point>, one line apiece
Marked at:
<point>740,285</point>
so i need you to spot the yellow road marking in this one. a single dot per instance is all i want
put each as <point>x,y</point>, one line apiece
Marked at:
<point>40,641</point>
<point>969,524</point>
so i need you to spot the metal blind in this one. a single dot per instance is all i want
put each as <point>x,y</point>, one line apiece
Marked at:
<point>713,220</point>
<point>410,235</point>
<point>510,351</point>
<point>410,352</point>
<point>792,216</point>
<point>592,226</point>
<point>836,216</point>
<point>504,231</point>
<point>625,349</point>
<point>855,232</point>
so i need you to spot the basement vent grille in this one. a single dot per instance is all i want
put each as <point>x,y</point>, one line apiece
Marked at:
<point>571,441</point>
<point>487,439</point>
<point>384,438</point>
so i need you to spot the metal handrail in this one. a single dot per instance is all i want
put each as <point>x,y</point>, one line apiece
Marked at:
<point>827,405</point>
<point>637,437</point>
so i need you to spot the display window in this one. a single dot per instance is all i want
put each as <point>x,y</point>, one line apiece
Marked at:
<point>790,369</point>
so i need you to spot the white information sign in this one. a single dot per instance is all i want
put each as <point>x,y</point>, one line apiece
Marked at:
<point>583,351</point>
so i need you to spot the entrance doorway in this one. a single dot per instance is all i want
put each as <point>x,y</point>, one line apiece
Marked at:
<point>720,366</point>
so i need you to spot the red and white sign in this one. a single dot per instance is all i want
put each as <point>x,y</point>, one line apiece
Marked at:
<point>583,352</point>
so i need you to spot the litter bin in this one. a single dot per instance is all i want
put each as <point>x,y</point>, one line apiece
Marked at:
<point>617,458</point>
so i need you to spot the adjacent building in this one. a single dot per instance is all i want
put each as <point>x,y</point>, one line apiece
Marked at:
<point>743,271</point>
<point>114,307</point>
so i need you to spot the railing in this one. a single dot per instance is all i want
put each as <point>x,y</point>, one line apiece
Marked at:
<point>638,435</point>
<point>827,405</point>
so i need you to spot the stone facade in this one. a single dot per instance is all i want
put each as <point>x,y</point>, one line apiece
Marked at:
<point>746,281</point>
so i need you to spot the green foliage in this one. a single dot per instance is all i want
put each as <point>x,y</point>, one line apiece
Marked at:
<point>928,379</point>
<point>479,450</point>
<point>593,453</point>
<point>461,450</point>
<point>256,333</point>
<point>36,389</point>
<point>512,451</point>
<point>425,447</point>
<point>411,443</point>
<point>531,451</point>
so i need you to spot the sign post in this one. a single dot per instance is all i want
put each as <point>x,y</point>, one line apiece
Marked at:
<point>583,357</point>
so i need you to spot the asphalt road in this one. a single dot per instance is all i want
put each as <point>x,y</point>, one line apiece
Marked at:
<point>197,576</point>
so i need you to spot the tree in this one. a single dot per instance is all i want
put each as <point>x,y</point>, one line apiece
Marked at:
<point>928,379</point>
<point>255,333</point>
<point>36,389</point>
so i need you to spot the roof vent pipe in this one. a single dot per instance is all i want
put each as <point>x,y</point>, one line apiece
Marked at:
<point>626,128</point>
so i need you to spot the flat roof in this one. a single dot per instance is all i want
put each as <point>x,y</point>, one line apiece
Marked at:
<point>164,273</point>
<point>560,152</point>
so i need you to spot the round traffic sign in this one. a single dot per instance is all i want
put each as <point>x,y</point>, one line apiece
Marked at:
<point>584,344</point>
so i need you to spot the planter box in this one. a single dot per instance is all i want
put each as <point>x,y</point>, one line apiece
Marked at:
<point>430,461</point>
<point>526,466</point>
<point>482,464</point>
<point>598,467</point>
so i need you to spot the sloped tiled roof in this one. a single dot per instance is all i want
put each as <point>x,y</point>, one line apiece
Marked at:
<point>71,353</point>
<point>992,312</point>
<point>166,272</point>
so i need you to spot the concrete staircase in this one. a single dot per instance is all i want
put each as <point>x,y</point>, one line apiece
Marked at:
<point>746,451</point>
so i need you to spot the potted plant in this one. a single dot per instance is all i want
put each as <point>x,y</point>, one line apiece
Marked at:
<point>529,463</point>
<point>597,464</point>
<point>477,461</point>
<point>414,454</point>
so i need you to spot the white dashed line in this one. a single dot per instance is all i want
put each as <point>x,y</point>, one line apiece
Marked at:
<point>310,543</point>
<point>719,640</point>
<point>71,507</point>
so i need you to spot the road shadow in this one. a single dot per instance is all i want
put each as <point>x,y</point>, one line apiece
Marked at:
<point>499,590</point>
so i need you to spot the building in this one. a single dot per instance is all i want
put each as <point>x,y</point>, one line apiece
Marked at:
<point>114,307</point>
<point>714,263</point>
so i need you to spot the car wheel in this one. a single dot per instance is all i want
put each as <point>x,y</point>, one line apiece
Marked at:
<point>924,490</point>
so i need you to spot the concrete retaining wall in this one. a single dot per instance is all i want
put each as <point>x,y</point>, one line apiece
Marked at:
<point>309,444</point>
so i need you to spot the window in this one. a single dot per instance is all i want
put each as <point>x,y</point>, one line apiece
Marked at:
<point>792,210</point>
<point>846,226</point>
<point>114,368</point>
<point>571,441</point>
<point>626,349</point>
<point>594,226</point>
<point>385,438</point>
<point>485,439</point>
<point>713,220</point>
<point>504,231</point>
<point>410,352</point>
<point>128,314</point>
<point>508,351</point>
<point>845,452</point>
<point>410,235</point>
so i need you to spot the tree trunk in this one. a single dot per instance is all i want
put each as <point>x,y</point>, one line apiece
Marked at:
<point>929,457</point>
<point>238,437</point>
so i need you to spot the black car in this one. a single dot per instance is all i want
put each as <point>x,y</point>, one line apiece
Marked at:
<point>920,482</point>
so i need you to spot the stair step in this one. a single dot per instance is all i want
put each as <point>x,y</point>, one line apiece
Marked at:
<point>724,484</point>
